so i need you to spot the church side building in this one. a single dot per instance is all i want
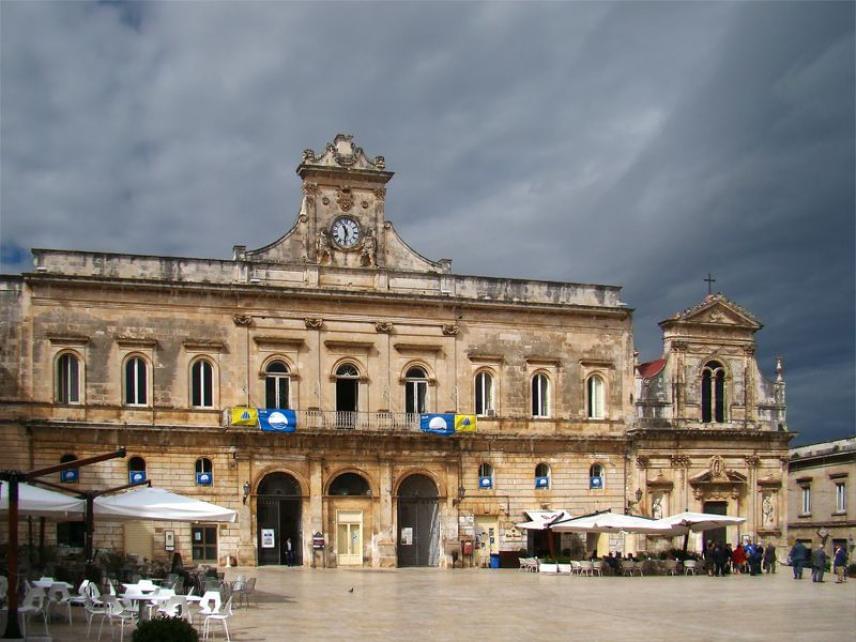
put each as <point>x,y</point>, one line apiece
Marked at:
<point>346,330</point>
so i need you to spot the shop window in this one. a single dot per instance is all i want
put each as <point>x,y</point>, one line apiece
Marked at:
<point>204,472</point>
<point>204,543</point>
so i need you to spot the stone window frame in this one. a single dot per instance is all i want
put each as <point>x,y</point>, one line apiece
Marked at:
<point>602,467</point>
<point>726,389</point>
<point>489,408</point>
<point>549,475</point>
<point>147,369</point>
<point>840,496</point>
<point>201,360</point>
<point>64,477</point>
<point>138,469</point>
<point>428,380</point>
<point>290,375</point>
<point>361,378</point>
<point>200,468</point>
<point>545,397</point>
<point>602,412</point>
<point>805,498</point>
<point>486,467</point>
<point>58,384</point>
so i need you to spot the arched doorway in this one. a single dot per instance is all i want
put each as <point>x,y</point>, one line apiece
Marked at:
<point>278,506</point>
<point>349,492</point>
<point>418,522</point>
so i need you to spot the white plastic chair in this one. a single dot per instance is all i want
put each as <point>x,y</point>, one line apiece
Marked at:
<point>93,608</point>
<point>586,568</point>
<point>209,604</point>
<point>33,604</point>
<point>218,617</point>
<point>81,597</point>
<point>117,612</point>
<point>690,567</point>
<point>249,589</point>
<point>58,596</point>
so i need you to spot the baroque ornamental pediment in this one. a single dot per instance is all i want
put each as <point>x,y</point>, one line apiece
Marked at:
<point>716,309</point>
<point>343,154</point>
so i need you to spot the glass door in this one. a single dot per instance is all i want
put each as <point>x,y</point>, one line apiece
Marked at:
<point>349,538</point>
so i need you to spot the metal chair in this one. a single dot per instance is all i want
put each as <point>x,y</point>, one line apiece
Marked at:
<point>58,596</point>
<point>117,612</point>
<point>249,589</point>
<point>209,604</point>
<point>33,604</point>
<point>93,608</point>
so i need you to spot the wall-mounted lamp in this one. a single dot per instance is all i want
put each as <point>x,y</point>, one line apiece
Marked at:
<point>246,491</point>
<point>233,456</point>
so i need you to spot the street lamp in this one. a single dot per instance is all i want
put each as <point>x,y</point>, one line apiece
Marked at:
<point>246,491</point>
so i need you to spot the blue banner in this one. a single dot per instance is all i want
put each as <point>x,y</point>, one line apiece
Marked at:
<point>277,420</point>
<point>438,424</point>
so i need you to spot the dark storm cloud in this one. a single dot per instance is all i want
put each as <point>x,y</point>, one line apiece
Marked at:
<point>638,144</point>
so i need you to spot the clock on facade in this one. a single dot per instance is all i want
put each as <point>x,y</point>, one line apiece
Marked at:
<point>346,232</point>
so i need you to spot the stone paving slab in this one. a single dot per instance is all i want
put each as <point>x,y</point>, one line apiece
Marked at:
<point>475,604</point>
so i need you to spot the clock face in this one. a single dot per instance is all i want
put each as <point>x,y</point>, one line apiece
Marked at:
<point>345,231</point>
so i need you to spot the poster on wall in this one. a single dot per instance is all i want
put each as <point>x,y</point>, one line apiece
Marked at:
<point>406,536</point>
<point>268,538</point>
<point>169,540</point>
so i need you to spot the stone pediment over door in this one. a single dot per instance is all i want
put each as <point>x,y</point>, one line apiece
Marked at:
<point>718,483</point>
<point>716,309</point>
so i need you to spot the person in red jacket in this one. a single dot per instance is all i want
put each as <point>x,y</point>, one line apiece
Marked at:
<point>738,559</point>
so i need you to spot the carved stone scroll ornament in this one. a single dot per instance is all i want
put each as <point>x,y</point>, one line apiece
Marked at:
<point>314,324</point>
<point>752,461</point>
<point>450,329</point>
<point>380,193</point>
<point>345,199</point>
<point>680,461</point>
<point>242,320</point>
<point>310,188</point>
<point>642,462</point>
<point>384,327</point>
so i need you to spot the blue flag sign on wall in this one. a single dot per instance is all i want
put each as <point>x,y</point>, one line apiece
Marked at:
<point>542,482</point>
<point>69,476</point>
<point>279,420</point>
<point>204,479</point>
<point>596,482</point>
<point>137,476</point>
<point>437,424</point>
<point>485,482</point>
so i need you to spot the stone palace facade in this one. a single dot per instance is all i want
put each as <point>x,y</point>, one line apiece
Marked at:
<point>342,322</point>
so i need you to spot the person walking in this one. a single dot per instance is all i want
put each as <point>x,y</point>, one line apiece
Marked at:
<point>839,564</point>
<point>799,556</point>
<point>770,558</point>
<point>818,563</point>
<point>720,559</point>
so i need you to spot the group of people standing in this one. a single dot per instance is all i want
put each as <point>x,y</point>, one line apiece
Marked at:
<point>800,556</point>
<point>754,559</point>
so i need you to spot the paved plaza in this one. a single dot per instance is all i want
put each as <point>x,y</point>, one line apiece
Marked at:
<point>479,604</point>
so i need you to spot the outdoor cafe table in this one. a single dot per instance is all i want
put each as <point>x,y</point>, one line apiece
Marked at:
<point>140,597</point>
<point>48,584</point>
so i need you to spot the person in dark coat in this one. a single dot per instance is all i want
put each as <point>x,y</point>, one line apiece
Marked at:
<point>818,564</point>
<point>755,559</point>
<point>720,560</point>
<point>799,556</point>
<point>839,564</point>
<point>770,558</point>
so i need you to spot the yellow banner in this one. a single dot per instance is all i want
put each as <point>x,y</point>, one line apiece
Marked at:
<point>465,423</point>
<point>244,417</point>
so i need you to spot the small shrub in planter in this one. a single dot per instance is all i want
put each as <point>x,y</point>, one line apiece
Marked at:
<point>165,629</point>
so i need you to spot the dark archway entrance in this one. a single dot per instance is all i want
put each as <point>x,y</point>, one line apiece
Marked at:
<point>715,535</point>
<point>418,522</point>
<point>278,507</point>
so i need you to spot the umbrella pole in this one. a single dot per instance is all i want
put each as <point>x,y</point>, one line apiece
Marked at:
<point>41,542</point>
<point>12,630</point>
<point>686,541</point>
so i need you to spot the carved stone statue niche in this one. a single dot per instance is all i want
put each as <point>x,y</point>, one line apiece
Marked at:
<point>324,254</point>
<point>369,254</point>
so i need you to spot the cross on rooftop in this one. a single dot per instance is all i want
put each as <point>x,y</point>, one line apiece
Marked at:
<point>710,281</point>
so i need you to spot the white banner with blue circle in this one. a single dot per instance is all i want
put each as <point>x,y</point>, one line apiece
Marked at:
<point>277,420</point>
<point>437,424</point>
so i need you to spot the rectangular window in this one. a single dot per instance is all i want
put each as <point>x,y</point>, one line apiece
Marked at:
<point>840,497</point>
<point>806,500</point>
<point>70,534</point>
<point>204,543</point>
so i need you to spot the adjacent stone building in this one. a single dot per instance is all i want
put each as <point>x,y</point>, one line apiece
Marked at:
<point>342,322</point>
<point>822,494</point>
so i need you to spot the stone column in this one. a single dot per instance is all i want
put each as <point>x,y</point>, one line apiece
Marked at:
<point>246,552</point>
<point>314,518</point>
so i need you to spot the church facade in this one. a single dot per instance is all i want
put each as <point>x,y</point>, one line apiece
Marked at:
<point>348,340</point>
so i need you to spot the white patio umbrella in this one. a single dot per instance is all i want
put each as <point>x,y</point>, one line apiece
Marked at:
<point>687,522</point>
<point>40,502</point>
<point>540,520</point>
<point>609,522</point>
<point>159,504</point>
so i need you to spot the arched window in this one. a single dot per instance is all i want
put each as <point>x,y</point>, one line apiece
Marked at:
<point>204,472</point>
<point>484,395</point>
<point>540,396</point>
<point>67,379</point>
<point>713,393</point>
<point>542,476</point>
<point>136,385</point>
<point>350,484</point>
<point>277,385</point>
<point>595,397</point>
<point>415,390</point>
<point>347,395</point>
<point>202,384</point>
<point>69,475</point>
<point>596,477</point>
<point>486,476</point>
<point>137,470</point>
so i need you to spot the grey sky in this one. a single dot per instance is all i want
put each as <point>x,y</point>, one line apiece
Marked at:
<point>637,144</point>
